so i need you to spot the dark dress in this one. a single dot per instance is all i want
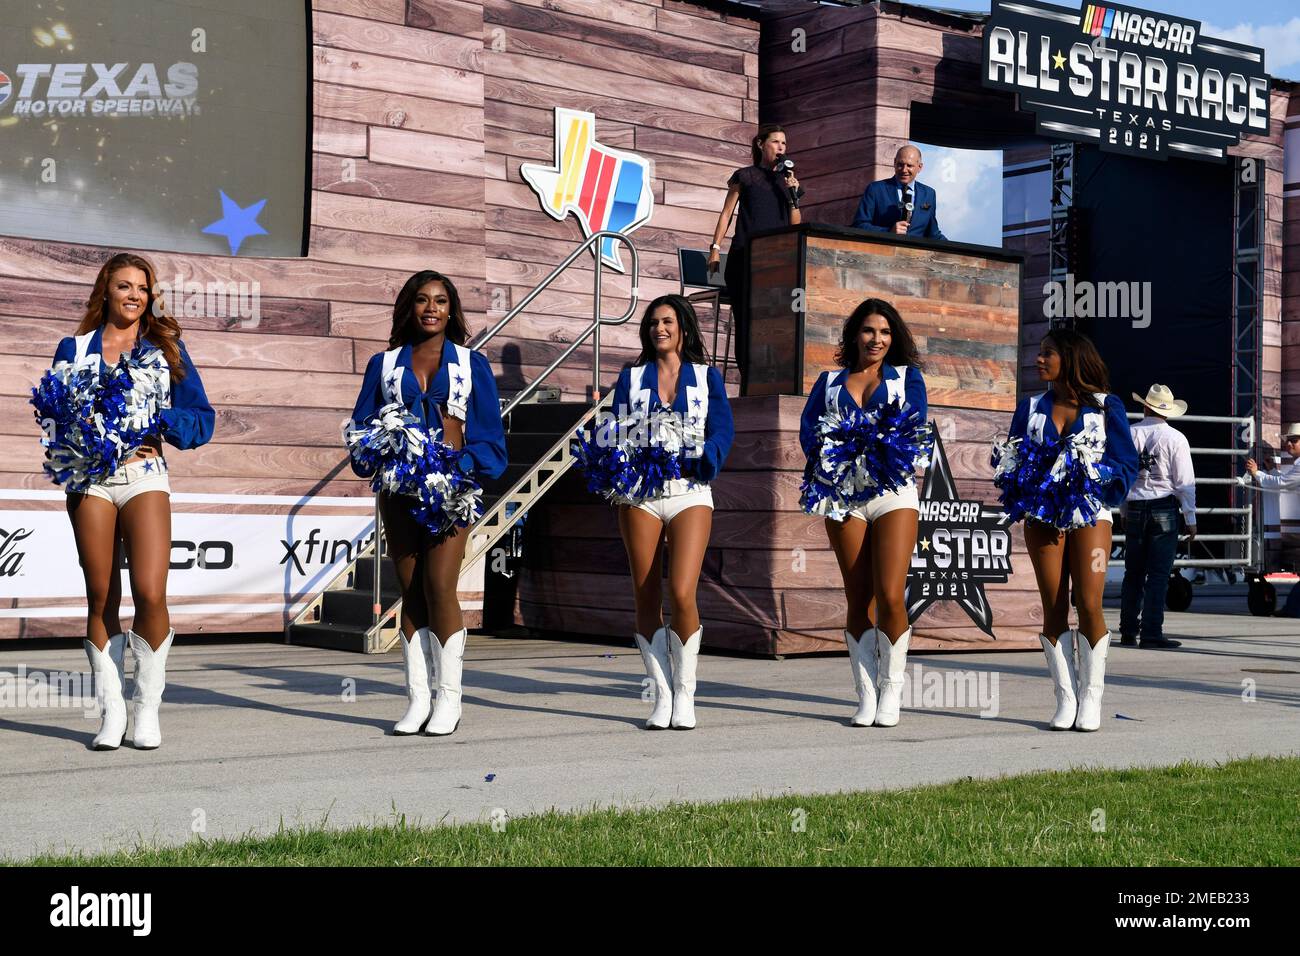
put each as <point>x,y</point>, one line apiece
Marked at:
<point>764,204</point>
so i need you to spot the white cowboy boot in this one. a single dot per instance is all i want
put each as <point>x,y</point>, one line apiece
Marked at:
<point>1092,681</point>
<point>419,661</point>
<point>685,657</point>
<point>658,666</point>
<point>446,709</point>
<point>150,680</point>
<point>109,669</point>
<point>893,662</point>
<point>1060,664</point>
<point>862,657</point>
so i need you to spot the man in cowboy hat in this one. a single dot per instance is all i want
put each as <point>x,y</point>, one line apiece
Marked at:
<point>1165,485</point>
<point>1284,479</point>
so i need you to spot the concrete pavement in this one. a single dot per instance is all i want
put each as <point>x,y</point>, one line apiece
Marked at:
<point>259,733</point>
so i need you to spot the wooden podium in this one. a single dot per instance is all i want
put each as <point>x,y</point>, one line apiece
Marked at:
<point>770,583</point>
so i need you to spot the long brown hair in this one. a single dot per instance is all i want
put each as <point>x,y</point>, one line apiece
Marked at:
<point>155,323</point>
<point>404,310</point>
<point>1082,370</point>
<point>902,347</point>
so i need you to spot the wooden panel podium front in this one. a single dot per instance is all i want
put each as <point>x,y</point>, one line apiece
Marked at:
<point>770,583</point>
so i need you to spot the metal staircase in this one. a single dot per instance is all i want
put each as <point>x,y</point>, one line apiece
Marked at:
<point>360,608</point>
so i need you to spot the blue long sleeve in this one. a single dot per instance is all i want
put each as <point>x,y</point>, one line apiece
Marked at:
<point>1020,420</point>
<point>1121,455</point>
<point>914,392</point>
<point>66,351</point>
<point>622,392</point>
<point>812,413</point>
<point>862,219</point>
<point>367,403</point>
<point>719,429</point>
<point>190,420</point>
<point>485,436</point>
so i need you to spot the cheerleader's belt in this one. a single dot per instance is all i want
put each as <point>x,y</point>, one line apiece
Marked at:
<point>134,478</point>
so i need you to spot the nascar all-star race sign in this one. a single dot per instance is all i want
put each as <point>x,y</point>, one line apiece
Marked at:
<point>1131,81</point>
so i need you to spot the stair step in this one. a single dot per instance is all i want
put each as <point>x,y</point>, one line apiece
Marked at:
<point>528,447</point>
<point>549,417</point>
<point>335,637</point>
<point>352,607</point>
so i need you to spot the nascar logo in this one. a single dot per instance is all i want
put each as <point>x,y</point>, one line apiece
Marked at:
<point>1129,26</point>
<point>1097,21</point>
<point>604,188</point>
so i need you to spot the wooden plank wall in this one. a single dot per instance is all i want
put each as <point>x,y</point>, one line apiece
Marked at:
<point>674,82</point>
<point>423,112</point>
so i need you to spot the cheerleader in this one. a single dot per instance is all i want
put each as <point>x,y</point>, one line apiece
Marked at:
<point>877,392</point>
<point>126,331</point>
<point>1068,460</point>
<point>670,382</point>
<point>429,372</point>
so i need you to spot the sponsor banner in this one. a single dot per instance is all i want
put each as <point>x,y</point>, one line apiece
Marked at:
<point>212,554</point>
<point>1128,80</point>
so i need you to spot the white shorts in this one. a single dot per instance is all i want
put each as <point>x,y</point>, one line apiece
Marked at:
<point>887,502</point>
<point>148,474</point>
<point>682,494</point>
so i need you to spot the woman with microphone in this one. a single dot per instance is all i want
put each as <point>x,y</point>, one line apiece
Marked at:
<point>768,194</point>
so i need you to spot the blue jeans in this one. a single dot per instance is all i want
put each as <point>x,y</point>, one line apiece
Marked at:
<point>1150,542</point>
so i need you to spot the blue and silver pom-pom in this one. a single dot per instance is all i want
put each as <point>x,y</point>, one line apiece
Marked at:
<point>448,498</point>
<point>404,458</point>
<point>861,455</point>
<point>630,460</point>
<point>391,447</point>
<point>92,423</point>
<point>1057,483</point>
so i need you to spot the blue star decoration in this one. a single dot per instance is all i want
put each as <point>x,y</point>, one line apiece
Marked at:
<point>698,403</point>
<point>148,465</point>
<point>237,223</point>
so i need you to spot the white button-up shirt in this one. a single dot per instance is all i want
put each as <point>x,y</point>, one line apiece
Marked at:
<point>1286,478</point>
<point>1164,465</point>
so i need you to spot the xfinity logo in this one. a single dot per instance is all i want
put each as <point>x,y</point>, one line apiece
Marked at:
<point>75,908</point>
<point>66,89</point>
<point>320,551</point>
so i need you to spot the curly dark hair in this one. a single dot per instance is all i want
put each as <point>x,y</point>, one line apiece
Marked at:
<point>902,347</point>
<point>692,342</point>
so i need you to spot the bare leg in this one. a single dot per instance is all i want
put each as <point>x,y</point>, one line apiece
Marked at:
<point>1089,551</point>
<point>441,573</point>
<point>893,539</point>
<point>850,540</point>
<point>1046,547</point>
<point>643,537</point>
<point>146,522</point>
<point>688,539</point>
<point>402,533</point>
<point>94,528</point>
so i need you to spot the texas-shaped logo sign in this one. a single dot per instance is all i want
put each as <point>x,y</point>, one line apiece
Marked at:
<point>606,189</point>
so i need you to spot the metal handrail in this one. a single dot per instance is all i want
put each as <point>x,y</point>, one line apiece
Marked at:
<point>594,328</point>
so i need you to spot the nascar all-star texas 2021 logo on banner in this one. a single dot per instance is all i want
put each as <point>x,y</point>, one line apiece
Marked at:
<point>605,189</point>
<point>43,90</point>
<point>1129,80</point>
<point>960,548</point>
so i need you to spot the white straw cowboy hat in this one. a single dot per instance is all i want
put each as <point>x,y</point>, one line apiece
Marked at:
<point>1292,430</point>
<point>1161,399</point>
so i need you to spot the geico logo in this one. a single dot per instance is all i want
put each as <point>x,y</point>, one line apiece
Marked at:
<point>70,80</point>
<point>209,555</point>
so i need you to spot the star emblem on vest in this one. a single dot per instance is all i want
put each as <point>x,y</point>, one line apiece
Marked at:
<point>960,548</point>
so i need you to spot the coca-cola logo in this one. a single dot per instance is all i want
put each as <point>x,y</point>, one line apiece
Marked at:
<point>11,559</point>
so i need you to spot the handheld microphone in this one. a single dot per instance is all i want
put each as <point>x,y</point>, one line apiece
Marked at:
<point>785,167</point>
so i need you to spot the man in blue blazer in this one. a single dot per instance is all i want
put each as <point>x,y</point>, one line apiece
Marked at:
<point>883,206</point>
